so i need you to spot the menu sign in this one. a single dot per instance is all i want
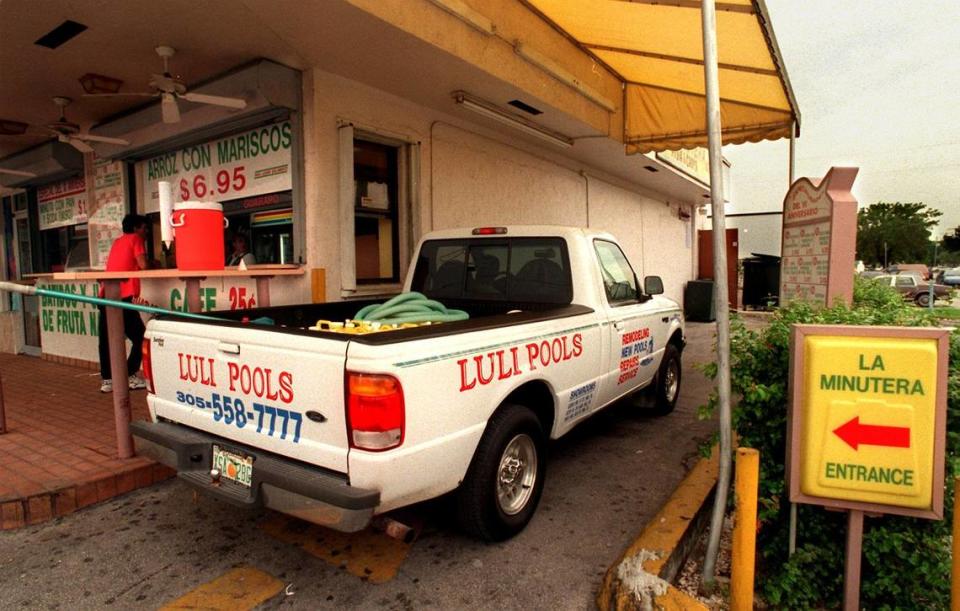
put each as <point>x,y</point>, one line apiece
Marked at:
<point>62,204</point>
<point>106,215</point>
<point>243,165</point>
<point>819,239</point>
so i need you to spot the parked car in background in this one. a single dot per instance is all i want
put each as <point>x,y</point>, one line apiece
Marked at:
<point>914,289</point>
<point>917,268</point>
<point>872,273</point>
<point>951,277</point>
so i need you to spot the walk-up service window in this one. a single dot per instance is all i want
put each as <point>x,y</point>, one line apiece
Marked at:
<point>376,218</point>
<point>378,196</point>
<point>249,173</point>
<point>265,222</point>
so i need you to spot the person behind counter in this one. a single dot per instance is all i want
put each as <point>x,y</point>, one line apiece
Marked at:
<point>241,251</point>
<point>128,254</point>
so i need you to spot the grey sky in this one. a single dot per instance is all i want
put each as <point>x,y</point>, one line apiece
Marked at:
<point>878,85</point>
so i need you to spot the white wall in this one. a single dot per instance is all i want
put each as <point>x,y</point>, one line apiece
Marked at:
<point>479,181</point>
<point>472,176</point>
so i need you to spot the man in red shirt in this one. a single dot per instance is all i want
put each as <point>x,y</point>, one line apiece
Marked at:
<point>127,254</point>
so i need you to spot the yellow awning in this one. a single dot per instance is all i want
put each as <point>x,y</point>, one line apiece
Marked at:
<point>656,48</point>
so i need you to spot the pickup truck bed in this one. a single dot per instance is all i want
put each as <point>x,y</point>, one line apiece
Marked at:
<point>297,319</point>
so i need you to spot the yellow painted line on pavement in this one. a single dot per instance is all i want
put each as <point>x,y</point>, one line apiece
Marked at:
<point>240,588</point>
<point>368,554</point>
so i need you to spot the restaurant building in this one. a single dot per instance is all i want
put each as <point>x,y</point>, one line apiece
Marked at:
<point>364,126</point>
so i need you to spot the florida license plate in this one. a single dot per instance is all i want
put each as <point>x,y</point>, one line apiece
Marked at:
<point>234,467</point>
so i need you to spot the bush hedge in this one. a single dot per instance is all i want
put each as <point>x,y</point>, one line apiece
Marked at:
<point>906,561</point>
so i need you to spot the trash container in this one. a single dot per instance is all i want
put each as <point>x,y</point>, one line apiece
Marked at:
<point>761,281</point>
<point>698,305</point>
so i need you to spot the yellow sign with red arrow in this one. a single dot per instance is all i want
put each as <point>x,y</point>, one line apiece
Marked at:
<point>868,416</point>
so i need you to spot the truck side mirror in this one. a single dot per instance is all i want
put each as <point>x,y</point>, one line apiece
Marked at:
<point>653,285</point>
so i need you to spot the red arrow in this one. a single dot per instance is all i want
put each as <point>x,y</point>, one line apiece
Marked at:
<point>853,434</point>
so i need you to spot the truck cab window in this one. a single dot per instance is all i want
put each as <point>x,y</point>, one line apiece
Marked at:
<point>512,269</point>
<point>619,281</point>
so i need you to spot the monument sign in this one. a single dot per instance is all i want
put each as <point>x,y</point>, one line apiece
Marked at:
<point>819,239</point>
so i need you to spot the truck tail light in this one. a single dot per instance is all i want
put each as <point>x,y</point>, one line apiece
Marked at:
<point>489,230</point>
<point>147,364</point>
<point>375,412</point>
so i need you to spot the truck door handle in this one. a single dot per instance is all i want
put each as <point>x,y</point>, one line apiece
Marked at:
<point>618,325</point>
<point>665,319</point>
<point>229,348</point>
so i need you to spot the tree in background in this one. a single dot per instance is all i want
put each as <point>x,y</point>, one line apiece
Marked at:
<point>889,233</point>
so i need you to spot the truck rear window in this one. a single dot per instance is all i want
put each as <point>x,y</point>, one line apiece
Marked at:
<point>507,269</point>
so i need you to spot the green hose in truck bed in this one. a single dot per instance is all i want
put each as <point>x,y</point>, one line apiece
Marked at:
<point>412,307</point>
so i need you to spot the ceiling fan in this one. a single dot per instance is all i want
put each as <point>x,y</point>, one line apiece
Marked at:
<point>170,88</point>
<point>63,130</point>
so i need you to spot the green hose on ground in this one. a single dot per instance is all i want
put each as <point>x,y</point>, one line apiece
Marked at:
<point>412,307</point>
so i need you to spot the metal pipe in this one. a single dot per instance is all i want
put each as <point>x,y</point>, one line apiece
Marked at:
<point>3,413</point>
<point>715,142</point>
<point>955,568</point>
<point>793,154</point>
<point>118,371</point>
<point>743,557</point>
<point>792,535</point>
<point>32,290</point>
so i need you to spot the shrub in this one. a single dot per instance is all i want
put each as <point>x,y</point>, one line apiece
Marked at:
<point>906,561</point>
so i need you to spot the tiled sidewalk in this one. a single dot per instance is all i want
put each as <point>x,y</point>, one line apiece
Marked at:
<point>60,451</point>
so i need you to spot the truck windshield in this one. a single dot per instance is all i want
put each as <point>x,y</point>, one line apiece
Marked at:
<point>507,269</point>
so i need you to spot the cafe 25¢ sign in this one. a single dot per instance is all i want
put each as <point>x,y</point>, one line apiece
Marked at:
<point>867,422</point>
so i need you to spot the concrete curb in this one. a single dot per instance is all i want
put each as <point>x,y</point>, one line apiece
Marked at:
<point>18,512</point>
<point>640,578</point>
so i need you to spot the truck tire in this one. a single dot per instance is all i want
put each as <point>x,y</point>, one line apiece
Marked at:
<point>667,388</point>
<point>503,485</point>
<point>923,299</point>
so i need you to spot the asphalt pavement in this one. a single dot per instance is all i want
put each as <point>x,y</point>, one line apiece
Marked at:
<point>147,549</point>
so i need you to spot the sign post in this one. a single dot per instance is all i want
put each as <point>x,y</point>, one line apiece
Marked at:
<point>867,425</point>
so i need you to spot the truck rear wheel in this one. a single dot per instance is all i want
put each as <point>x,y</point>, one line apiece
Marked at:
<point>502,488</point>
<point>667,389</point>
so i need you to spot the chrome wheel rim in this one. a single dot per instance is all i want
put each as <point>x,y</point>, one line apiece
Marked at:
<point>517,474</point>
<point>671,382</point>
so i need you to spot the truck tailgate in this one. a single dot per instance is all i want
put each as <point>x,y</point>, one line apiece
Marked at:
<point>274,391</point>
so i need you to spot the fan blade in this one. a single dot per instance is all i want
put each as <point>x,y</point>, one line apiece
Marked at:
<point>169,108</point>
<point>216,100</point>
<point>120,95</point>
<point>18,173</point>
<point>93,138</point>
<point>12,128</point>
<point>80,145</point>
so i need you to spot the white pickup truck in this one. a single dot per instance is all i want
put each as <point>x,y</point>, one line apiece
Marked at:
<point>335,428</point>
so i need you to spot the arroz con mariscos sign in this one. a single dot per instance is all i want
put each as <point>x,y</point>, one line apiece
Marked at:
<point>251,163</point>
<point>868,418</point>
